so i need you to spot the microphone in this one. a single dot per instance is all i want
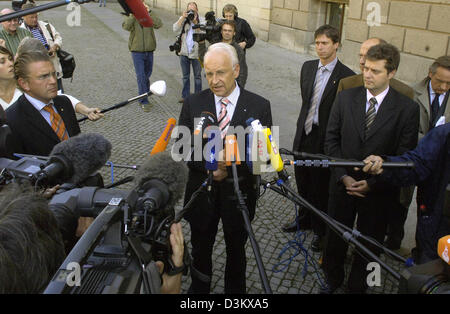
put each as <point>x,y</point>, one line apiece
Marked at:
<point>231,150</point>
<point>164,139</point>
<point>206,119</point>
<point>211,164</point>
<point>137,8</point>
<point>77,158</point>
<point>444,248</point>
<point>163,179</point>
<point>272,148</point>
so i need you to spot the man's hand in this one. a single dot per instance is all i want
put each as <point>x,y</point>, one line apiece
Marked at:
<point>355,188</point>
<point>48,193</point>
<point>243,45</point>
<point>53,49</point>
<point>2,43</point>
<point>221,172</point>
<point>83,225</point>
<point>94,114</point>
<point>373,165</point>
<point>172,284</point>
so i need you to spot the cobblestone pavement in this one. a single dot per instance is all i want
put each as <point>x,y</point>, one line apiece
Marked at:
<point>105,76</point>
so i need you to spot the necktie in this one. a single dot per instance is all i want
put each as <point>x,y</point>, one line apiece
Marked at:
<point>224,120</point>
<point>434,110</point>
<point>370,115</point>
<point>315,101</point>
<point>57,123</point>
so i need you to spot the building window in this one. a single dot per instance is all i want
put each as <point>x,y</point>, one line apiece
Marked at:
<point>335,15</point>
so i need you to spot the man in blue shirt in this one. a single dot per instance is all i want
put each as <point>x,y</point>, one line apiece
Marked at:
<point>432,175</point>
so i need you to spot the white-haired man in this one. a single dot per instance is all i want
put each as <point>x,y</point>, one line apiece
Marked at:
<point>233,106</point>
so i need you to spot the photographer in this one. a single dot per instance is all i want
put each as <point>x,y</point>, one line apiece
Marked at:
<point>244,34</point>
<point>33,235</point>
<point>189,48</point>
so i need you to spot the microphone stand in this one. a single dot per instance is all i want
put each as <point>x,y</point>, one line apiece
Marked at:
<point>119,105</point>
<point>20,13</point>
<point>245,214</point>
<point>335,226</point>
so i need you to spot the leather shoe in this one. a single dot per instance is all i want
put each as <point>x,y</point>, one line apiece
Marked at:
<point>316,243</point>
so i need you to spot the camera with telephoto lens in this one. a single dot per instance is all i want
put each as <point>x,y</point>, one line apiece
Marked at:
<point>211,29</point>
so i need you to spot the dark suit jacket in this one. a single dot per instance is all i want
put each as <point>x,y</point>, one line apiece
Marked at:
<point>307,77</point>
<point>249,106</point>
<point>393,132</point>
<point>358,80</point>
<point>32,134</point>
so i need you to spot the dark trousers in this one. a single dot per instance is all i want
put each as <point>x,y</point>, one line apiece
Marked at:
<point>143,66</point>
<point>312,183</point>
<point>204,222</point>
<point>372,219</point>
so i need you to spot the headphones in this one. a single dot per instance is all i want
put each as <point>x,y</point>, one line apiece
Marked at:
<point>230,7</point>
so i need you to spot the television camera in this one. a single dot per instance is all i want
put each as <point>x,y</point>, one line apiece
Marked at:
<point>211,29</point>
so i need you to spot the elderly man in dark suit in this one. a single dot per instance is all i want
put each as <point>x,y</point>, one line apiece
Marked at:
<point>39,119</point>
<point>318,83</point>
<point>374,119</point>
<point>233,106</point>
<point>432,95</point>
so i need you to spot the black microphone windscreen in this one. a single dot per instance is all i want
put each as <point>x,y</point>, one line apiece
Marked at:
<point>87,153</point>
<point>161,166</point>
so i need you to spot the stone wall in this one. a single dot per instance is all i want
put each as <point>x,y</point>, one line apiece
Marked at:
<point>420,29</point>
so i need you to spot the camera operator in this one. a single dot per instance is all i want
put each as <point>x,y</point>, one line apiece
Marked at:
<point>244,34</point>
<point>33,236</point>
<point>189,48</point>
<point>228,31</point>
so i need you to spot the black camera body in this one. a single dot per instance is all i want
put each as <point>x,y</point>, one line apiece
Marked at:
<point>429,278</point>
<point>176,45</point>
<point>191,15</point>
<point>115,254</point>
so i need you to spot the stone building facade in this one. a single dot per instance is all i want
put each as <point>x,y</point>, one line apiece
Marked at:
<point>420,29</point>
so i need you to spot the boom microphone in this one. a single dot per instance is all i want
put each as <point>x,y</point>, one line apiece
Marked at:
<point>163,178</point>
<point>77,158</point>
<point>137,8</point>
<point>164,139</point>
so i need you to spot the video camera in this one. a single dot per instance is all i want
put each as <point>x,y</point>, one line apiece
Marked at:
<point>131,229</point>
<point>211,29</point>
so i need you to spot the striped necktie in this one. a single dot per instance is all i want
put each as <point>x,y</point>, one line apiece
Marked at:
<point>224,119</point>
<point>370,115</point>
<point>315,100</point>
<point>57,123</point>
